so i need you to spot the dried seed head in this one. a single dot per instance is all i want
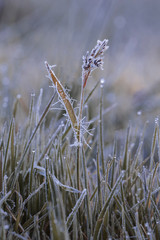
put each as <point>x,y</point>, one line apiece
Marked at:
<point>93,60</point>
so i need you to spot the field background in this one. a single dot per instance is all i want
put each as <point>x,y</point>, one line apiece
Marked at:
<point>61,32</point>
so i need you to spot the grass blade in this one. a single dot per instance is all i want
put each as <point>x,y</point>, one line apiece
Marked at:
<point>75,209</point>
<point>63,96</point>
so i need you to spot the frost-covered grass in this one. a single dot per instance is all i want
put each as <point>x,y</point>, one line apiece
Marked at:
<point>58,181</point>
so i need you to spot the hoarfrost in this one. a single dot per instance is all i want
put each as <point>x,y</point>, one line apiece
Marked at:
<point>139,113</point>
<point>102,81</point>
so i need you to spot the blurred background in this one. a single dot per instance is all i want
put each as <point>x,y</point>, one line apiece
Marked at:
<point>61,31</point>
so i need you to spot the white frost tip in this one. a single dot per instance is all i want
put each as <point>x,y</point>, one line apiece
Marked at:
<point>156,120</point>
<point>76,144</point>
<point>52,66</point>
<point>102,80</point>
<point>139,113</point>
<point>18,96</point>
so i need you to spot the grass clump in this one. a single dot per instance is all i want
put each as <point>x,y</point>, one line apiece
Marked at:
<point>48,189</point>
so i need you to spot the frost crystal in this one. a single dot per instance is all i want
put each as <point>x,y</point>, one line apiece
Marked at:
<point>93,60</point>
<point>102,80</point>
<point>139,113</point>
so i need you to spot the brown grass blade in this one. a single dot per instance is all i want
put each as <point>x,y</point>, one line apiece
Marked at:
<point>64,97</point>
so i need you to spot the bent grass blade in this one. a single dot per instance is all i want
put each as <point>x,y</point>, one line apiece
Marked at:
<point>64,97</point>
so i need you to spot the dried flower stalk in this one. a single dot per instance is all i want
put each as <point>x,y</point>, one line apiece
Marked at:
<point>91,61</point>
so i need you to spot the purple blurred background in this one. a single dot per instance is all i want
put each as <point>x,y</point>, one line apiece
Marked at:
<point>61,32</point>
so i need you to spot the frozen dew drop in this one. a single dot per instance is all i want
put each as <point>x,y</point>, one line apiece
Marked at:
<point>102,82</point>
<point>139,113</point>
<point>156,120</point>
<point>146,224</point>
<point>62,124</point>
<point>18,96</point>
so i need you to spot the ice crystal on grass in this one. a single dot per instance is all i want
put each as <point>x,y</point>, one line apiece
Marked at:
<point>64,98</point>
<point>71,216</point>
<point>93,60</point>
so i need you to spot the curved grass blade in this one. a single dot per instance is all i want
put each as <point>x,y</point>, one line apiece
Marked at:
<point>65,187</point>
<point>75,209</point>
<point>63,96</point>
<point>3,199</point>
<point>42,171</point>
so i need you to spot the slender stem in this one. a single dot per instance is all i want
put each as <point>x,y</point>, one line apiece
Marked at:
<point>78,167</point>
<point>1,172</point>
<point>80,116</point>
<point>79,138</point>
<point>101,132</point>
